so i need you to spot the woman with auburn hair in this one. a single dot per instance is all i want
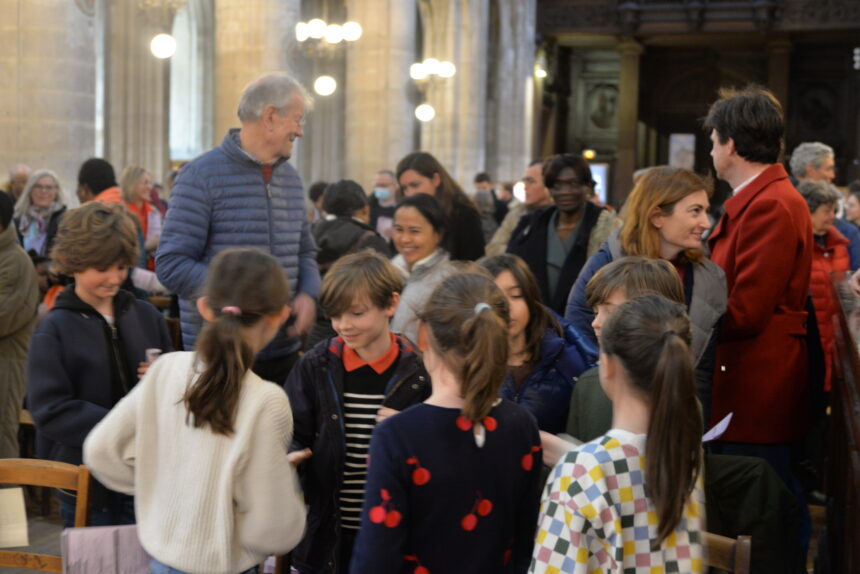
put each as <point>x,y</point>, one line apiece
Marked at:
<point>454,483</point>
<point>665,216</point>
<point>545,355</point>
<point>633,499</point>
<point>420,172</point>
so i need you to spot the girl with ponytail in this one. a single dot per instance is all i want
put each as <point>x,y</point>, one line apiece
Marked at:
<point>202,441</point>
<point>453,483</point>
<point>633,499</point>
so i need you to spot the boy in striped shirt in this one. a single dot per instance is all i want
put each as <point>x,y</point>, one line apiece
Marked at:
<point>339,391</point>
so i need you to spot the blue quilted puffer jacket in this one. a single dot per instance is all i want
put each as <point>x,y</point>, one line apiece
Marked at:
<point>546,391</point>
<point>221,200</point>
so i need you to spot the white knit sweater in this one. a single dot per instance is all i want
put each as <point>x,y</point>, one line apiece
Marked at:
<point>205,503</point>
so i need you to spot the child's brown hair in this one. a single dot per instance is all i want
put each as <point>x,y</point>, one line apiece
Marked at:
<point>362,274</point>
<point>95,236</point>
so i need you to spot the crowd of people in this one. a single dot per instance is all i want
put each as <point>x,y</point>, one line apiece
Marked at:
<point>416,379</point>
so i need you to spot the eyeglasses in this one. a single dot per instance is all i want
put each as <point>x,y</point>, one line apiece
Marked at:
<point>571,184</point>
<point>39,187</point>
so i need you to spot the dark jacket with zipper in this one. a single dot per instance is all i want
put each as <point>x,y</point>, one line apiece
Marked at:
<point>528,241</point>
<point>546,391</point>
<point>79,367</point>
<point>315,388</point>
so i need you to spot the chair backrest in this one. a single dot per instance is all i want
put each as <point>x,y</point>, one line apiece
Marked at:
<point>32,472</point>
<point>729,554</point>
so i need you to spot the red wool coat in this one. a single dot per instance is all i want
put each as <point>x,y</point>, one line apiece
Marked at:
<point>764,244</point>
<point>833,257</point>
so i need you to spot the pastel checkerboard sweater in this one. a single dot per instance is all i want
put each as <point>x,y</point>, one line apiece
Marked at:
<point>595,516</point>
<point>205,502</point>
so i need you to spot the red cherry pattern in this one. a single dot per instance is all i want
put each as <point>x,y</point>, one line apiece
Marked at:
<point>528,458</point>
<point>465,424</point>
<point>420,476</point>
<point>385,512</point>
<point>419,569</point>
<point>481,507</point>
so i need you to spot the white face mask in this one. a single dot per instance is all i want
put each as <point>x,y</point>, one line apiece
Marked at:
<point>382,193</point>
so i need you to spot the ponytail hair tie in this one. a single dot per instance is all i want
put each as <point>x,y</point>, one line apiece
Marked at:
<point>231,310</point>
<point>481,307</point>
<point>666,334</point>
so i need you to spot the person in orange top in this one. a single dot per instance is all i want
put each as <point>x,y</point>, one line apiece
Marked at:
<point>97,182</point>
<point>136,185</point>
<point>830,254</point>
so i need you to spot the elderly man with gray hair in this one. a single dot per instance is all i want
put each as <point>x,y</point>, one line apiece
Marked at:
<point>244,193</point>
<point>814,161</point>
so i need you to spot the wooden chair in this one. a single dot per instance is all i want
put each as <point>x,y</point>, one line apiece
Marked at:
<point>52,474</point>
<point>729,554</point>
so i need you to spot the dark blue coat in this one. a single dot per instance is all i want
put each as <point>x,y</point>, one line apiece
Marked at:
<point>221,200</point>
<point>546,391</point>
<point>74,374</point>
<point>315,388</point>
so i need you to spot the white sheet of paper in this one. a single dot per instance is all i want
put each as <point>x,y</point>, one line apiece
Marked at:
<point>13,518</point>
<point>718,429</point>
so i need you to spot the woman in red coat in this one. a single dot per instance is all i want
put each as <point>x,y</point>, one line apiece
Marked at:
<point>829,255</point>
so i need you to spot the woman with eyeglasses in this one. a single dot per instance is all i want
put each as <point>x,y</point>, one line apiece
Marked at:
<point>38,212</point>
<point>558,240</point>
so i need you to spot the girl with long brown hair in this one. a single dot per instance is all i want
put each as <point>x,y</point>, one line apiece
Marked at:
<point>202,441</point>
<point>633,499</point>
<point>453,483</point>
<point>545,355</point>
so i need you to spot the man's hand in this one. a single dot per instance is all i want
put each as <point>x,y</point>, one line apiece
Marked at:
<point>305,312</point>
<point>383,413</point>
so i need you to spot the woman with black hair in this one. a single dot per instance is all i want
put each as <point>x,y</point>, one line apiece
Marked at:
<point>420,172</point>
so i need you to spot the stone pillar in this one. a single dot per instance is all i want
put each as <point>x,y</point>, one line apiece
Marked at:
<point>512,59</point>
<point>628,115</point>
<point>380,123</point>
<point>457,136</point>
<point>48,91</point>
<point>252,37</point>
<point>778,66</point>
<point>137,92</point>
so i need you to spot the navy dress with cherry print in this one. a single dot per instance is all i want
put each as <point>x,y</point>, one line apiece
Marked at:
<point>439,502</point>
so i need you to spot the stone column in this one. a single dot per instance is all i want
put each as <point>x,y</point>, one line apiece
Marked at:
<point>137,118</point>
<point>778,66</point>
<point>512,59</point>
<point>457,136</point>
<point>628,115</point>
<point>380,123</point>
<point>48,92</point>
<point>252,37</point>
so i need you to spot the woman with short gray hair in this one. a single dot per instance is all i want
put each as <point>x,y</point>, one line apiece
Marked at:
<point>38,211</point>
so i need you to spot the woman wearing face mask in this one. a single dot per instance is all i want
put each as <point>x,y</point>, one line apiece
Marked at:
<point>665,217</point>
<point>382,202</point>
<point>38,212</point>
<point>419,228</point>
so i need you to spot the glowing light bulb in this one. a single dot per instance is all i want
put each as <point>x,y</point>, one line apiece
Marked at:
<point>334,34</point>
<point>589,154</point>
<point>540,73</point>
<point>431,66</point>
<point>316,28</point>
<point>425,112</point>
<point>163,46</point>
<point>302,31</point>
<point>446,69</point>
<point>352,31</point>
<point>325,85</point>
<point>417,71</point>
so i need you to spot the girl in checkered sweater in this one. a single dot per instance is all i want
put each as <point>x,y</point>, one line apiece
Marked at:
<point>633,500</point>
